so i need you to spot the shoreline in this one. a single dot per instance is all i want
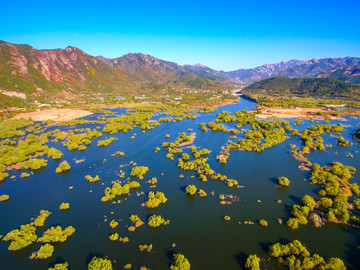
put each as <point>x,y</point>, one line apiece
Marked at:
<point>298,113</point>
<point>57,115</point>
<point>67,114</point>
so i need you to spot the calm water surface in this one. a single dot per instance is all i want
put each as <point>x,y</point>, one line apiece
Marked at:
<point>197,225</point>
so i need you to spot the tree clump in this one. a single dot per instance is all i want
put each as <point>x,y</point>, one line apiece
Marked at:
<point>118,190</point>
<point>4,197</point>
<point>252,262</point>
<point>283,181</point>
<point>21,238</point>
<point>60,266</point>
<point>295,256</point>
<point>91,179</point>
<point>97,263</point>
<point>113,224</point>
<point>56,234</point>
<point>63,167</point>
<point>157,221</point>
<point>155,199</point>
<point>136,220</point>
<point>64,206</point>
<point>45,251</point>
<point>180,262</point>
<point>139,171</point>
<point>40,220</point>
<point>191,190</point>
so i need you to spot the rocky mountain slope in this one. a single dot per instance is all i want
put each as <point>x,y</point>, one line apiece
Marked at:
<point>314,67</point>
<point>350,74</point>
<point>71,72</point>
<point>49,72</point>
<point>290,69</point>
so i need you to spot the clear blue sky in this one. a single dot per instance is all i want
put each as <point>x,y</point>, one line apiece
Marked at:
<point>225,34</point>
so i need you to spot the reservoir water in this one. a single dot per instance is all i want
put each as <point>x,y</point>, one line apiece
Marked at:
<point>197,224</point>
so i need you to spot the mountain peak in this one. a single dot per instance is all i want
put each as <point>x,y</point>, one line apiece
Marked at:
<point>198,65</point>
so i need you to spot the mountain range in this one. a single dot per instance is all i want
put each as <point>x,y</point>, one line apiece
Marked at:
<point>290,69</point>
<point>62,73</point>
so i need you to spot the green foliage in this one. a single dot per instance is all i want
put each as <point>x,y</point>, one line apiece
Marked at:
<point>263,222</point>
<point>118,190</point>
<point>14,127</point>
<point>63,167</point>
<point>296,256</point>
<point>309,202</point>
<point>114,237</point>
<point>24,175</point>
<point>202,193</point>
<point>139,171</point>
<point>342,142</point>
<point>36,164</point>
<point>252,262</point>
<point>357,204</point>
<point>128,121</point>
<point>180,262</point>
<point>92,179</point>
<point>157,221</point>
<point>293,223</point>
<point>136,220</point>
<point>114,224</point>
<point>155,199</point>
<point>191,190</point>
<point>100,264</point>
<point>4,197</point>
<point>105,142</point>
<point>283,181</point>
<point>118,153</point>
<point>40,220</point>
<point>227,218</point>
<point>3,175</point>
<point>60,266</point>
<point>56,234</point>
<point>45,251</point>
<point>21,238</point>
<point>355,189</point>
<point>146,247</point>
<point>326,202</point>
<point>64,206</point>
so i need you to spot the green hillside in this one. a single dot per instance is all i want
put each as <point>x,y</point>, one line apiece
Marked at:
<point>319,88</point>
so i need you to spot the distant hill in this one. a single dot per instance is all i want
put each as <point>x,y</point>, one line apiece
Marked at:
<point>322,88</point>
<point>314,67</point>
<point>349,74</point>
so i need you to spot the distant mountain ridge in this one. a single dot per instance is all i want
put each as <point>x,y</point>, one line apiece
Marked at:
<point>291,69</point>
<point>314,67</point>
<point>349,74</point>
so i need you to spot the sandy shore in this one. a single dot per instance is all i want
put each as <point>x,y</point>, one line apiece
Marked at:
<point>54,114</point>
<point>300,113</point>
